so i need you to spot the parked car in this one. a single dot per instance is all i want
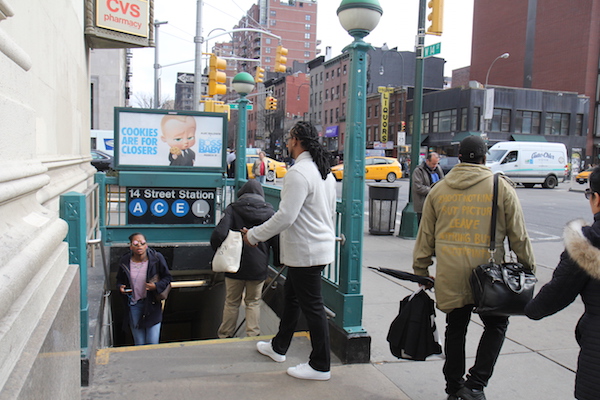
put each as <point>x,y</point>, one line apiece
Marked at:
<point>583,176</point>
<point>376,168</point>
<point>446,163</point>
<point>102,161</point>
<point>277,169</point>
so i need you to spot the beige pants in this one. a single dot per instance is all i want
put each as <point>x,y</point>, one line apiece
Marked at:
<point>233,299</point>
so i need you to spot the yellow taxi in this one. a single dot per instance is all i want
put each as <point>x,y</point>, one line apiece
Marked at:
<point>376,168</point>
<point>583,176</point>
<point>277,169</point>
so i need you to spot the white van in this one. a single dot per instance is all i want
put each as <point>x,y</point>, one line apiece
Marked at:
<point>529,163</point>
<point>103,140</point>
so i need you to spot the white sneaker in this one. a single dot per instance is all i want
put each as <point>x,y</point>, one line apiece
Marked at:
<point>305,371</point>
<point>266,349</point>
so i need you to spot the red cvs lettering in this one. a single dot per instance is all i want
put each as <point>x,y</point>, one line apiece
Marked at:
<point>123,7</point>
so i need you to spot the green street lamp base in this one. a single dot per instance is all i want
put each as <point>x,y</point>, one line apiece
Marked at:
<point>409,225</point>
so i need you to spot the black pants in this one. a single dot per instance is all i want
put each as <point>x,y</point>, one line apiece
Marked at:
<point>487,352</point>
<point>303,292</point>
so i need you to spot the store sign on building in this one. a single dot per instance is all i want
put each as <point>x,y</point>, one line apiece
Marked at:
<point>385,110</point>
<point>332,131</point>
<point>127,16</point>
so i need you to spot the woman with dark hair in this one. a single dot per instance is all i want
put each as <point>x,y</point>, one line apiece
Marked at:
<point>143,273</point>
<point>305,219</point>
<point>578,273</point>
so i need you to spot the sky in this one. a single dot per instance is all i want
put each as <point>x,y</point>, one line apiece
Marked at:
<point>397,28</point>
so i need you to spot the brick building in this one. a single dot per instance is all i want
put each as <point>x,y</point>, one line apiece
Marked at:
<point>553,45</point>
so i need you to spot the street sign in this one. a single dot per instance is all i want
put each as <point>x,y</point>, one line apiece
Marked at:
<point>432,50</point>
<point>236,106</point>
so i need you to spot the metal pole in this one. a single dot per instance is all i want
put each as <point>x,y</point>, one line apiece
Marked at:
<point>353,187</point>
<point>409,224</point>
<point>198,64</point>
<point>240,157</point>
<point>157,24</point>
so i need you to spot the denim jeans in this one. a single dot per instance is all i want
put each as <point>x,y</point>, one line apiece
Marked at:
<point>303,293</point>
<point>261,179</point>
<point>142,336</point>
<point>490,344</point>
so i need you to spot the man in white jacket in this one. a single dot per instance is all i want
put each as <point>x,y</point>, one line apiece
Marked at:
<point>305,220</point>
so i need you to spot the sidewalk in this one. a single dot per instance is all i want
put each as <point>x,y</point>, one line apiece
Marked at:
<point>537,360</point>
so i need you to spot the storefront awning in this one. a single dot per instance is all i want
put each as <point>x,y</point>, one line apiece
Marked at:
<point>332,131</point>
<point>528,138</point>
<point>460,136</point>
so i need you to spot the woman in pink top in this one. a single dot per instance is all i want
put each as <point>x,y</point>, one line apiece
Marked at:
<point>143,273</point>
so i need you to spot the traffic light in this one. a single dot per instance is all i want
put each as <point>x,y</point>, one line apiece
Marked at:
<point>271,103</point>
<point>280,59</point>
<point>217,76</point>
<point>436,16</point>
<point>403,129</point>
<point>259,74</point>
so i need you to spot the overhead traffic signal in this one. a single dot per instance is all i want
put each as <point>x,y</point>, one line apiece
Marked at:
<point>217,76</point>
<point>280,59</point>
<point>436,17</point>
<point>271,103</point>
<point>259,74</point>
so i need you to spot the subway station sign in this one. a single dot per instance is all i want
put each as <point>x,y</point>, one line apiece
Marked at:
<point>173,206</point>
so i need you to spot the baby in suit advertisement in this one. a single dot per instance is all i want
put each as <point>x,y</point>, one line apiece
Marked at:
<point>179,132</point>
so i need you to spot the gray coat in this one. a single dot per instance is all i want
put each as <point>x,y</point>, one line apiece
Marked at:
<point>421,184</point>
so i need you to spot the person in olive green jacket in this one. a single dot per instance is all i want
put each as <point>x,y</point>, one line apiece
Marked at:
<point>455,227</point>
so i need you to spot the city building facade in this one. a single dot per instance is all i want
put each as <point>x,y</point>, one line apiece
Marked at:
<point>553,45</point>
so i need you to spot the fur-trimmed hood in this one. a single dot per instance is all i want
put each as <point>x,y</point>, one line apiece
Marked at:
<point>580,247</point>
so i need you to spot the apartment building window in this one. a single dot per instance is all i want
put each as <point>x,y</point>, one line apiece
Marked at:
<point>579,124</point>
<point>273,22</point>
<point>557,124</point>
<point>527,121</point>
<point>345,69</point>
<point>267,50</point>
<point>369,112</point>
<point>343,110</point>
<point>344,90</point>
<point>501,120</point>
<point>267,60</point>
<point>307,54</point>
<point>369,134</point>
<point>327,76</point>
<point>337,114</point>
<point>444,121</point>
<point>268,41</point>
<point>464,113</point>
<point>321,81</point>
<point>376,111</point>
<point>307,45</point>
<point>376,133</point>
<point>321,97</point>
<point>326,94</point>
<point>273,13</point>
<point>475,122</point>
<point>307,27</point>
<point>307,17</point>
<point>392,107</point>
<point>339,71</point>
<point>307,36</point>
<point>319,116</point>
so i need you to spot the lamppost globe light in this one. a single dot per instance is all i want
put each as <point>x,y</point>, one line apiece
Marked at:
<point>505,55</point>
<point>359,17</point>
<point>243,83</point>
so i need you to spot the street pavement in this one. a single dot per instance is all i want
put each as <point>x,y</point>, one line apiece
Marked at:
<point>537,361</point>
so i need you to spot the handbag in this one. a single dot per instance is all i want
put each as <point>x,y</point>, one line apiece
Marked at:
<point>165,293</point>
<point>501,289</point>
<point>228,256</point>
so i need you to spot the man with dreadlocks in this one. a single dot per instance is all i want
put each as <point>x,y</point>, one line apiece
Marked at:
<point>305,220</point>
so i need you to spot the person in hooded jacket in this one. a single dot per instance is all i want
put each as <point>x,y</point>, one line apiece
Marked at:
<point>455,227</point>
<point>143,272</point>
<point>578,273</point>
<point>250,209</point>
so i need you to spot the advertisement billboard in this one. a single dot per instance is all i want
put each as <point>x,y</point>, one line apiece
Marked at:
<point>170,140</point>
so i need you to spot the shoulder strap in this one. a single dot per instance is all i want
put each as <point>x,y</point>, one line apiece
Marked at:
<point>494,217</point>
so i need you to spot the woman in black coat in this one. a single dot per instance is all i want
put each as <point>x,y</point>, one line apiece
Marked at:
<point>143,273</point>
<point>578,273</point>
<point>249,210</point>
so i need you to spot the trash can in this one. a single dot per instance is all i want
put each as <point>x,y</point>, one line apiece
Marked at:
<point>383,204</point>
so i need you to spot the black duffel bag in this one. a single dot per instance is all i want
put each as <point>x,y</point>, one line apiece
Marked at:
<point>502,289</point>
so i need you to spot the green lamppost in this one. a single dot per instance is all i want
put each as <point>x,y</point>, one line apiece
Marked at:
<point>359,18</point>
<point>243,83</point>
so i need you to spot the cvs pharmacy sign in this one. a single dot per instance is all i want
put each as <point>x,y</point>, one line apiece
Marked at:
<point>127,16</point>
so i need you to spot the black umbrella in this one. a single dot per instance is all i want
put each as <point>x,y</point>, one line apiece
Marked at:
<point>405,276</point>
